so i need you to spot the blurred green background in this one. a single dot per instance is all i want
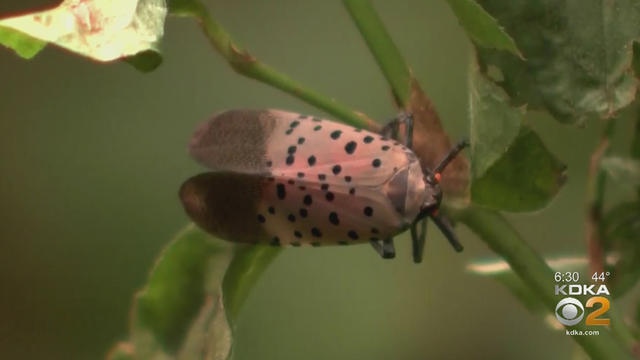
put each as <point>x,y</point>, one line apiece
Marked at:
<point>93,155</point>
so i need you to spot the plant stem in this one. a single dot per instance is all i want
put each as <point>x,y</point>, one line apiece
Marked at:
<point>635,141</point>
<point>503,239</point>
<point>245,64</point>
<point>383,48</point>
<point>596,185</point>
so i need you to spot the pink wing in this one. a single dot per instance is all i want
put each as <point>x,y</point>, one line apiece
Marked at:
<point>317,181</point>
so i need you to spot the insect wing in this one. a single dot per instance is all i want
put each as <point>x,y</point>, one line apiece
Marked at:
<point>291,145</point>
<point>278,211</point>
<point>286,178</point>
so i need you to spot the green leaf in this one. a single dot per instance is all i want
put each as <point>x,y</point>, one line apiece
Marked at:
<point>100,30</point>
<point>579,55</point>
<point>511,168</point>
<point>193,296</point>
<point>620,229</point>
<point>24,45</point>
<point>481,27</point>
<point>494,123</point>
<point>188,273</point>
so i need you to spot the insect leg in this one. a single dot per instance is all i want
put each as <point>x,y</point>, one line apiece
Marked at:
<point>391,129</point>
<point>444,226</point>
<point>408,131</point>
<point>418,239</point>
<point>386,249</point>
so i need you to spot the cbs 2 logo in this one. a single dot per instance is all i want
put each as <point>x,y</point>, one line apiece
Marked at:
<point>570,311</point>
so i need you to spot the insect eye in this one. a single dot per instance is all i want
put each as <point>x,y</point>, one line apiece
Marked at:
<point>437,177</point>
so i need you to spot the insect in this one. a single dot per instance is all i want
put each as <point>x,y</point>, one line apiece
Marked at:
<point>282,178</point>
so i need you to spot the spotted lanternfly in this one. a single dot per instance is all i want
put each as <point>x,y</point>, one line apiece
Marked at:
<point>282,178</point>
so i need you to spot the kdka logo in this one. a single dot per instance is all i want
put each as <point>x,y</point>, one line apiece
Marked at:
<point>570,311</point>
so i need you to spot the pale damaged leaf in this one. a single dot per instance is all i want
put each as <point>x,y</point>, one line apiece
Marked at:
<point>103,30</point>
<point>578,55</point>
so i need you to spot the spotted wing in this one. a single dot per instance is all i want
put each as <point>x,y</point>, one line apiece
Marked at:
<point>310,180</point>
<point>252,208</point>
<point>291,145</point>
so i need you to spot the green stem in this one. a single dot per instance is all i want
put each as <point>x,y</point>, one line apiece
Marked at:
<point>503,239</point>
<point>383,48</point>
<point>245,64</point>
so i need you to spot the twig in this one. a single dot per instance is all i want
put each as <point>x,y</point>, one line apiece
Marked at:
<point>245,64</point>
<point>596,184</point>
<point>383,48</point>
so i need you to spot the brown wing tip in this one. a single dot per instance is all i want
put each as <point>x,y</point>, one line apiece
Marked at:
<point>192,198</point>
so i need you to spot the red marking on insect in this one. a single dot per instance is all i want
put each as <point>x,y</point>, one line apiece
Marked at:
<point>437,176</point>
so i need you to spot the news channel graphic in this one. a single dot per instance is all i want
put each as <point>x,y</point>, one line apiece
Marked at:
<point>580,302</point>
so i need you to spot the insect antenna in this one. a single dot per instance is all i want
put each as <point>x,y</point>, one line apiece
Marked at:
<point>450,156</point>
<point>444,226</point>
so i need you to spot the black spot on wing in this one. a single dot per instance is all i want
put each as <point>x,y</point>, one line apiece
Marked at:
<point>280,191</point>
<point>333,218</point>
<point>290,160</point>
<point>307,200</point>
<point>350,148</point>
<point>368,211</point>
